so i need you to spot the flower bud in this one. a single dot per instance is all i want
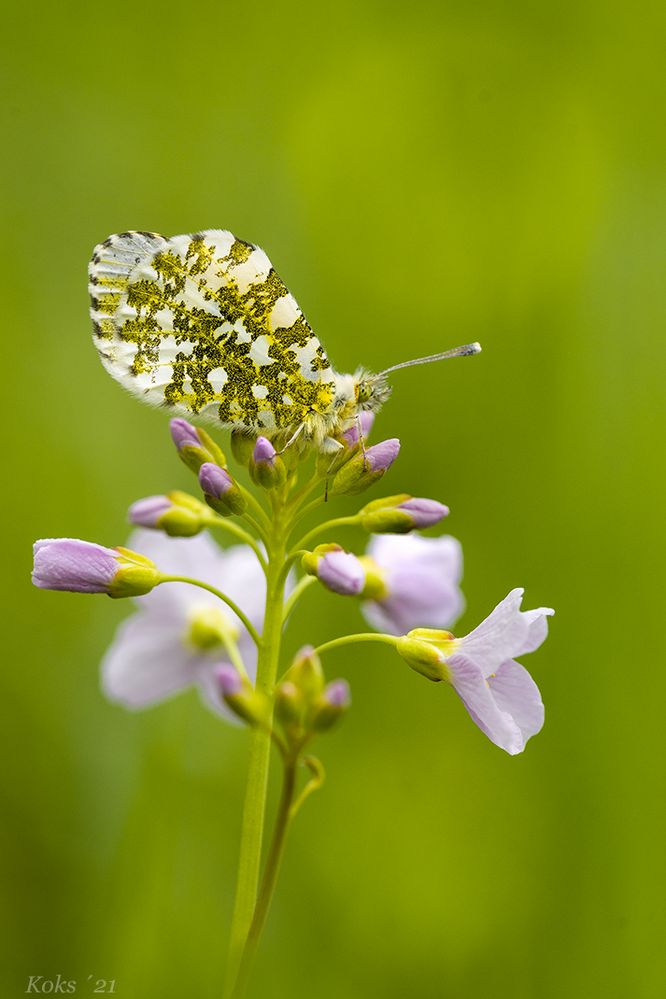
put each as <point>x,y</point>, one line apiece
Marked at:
<point>136,574</point>
<point>364,468</point>
<point>239,695</point>
<point>210,628</point>
<point>84,567</point>
<point>266,466</point>
<point>242,446</point>
<point>338,570</point>
<point>329,462</point>
<point>401,514</point>
<point>194,445</point>
<point>425,650</point>
<point>375,586</point>
<point>288,705</point>
<point>334,702</point>
<point>220,491</point>
<point>177,514</point>
<point>306,675</point>
<point>351,434</point>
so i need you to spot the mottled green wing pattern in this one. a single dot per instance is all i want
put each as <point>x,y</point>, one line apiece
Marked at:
<point>202,323</point>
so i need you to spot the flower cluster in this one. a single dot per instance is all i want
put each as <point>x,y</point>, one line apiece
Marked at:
<point>223,610</point>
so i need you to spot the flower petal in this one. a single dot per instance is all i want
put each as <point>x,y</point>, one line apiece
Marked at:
<point>516,693</point>
<point>422,577</point>
<point>147,662</point>
<point>341,572</point>
<point>234,570</point>
<point>474,691</point>
<point>507,632</point>
<point>74,565</point>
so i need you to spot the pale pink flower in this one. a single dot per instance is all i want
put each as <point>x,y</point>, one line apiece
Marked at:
<point>170,642</point>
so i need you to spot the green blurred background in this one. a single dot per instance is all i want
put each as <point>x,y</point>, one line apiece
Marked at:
<point>422,175</point>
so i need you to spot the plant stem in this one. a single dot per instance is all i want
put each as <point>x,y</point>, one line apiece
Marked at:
<point>326,526</point>
<point>369,636</point>
<point>269,879</point>
<point>230,527</point>
<point>262,516</point>
<point>301,586</point>
<point>257,779</point>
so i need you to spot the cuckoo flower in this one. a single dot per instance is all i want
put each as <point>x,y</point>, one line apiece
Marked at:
<point>364,468</point>
<point>341,572</point>
<point>194,445</point>
<point>499,694</point>
<point>401,514</point>
<point>178,635</point>
<point>416,582</point>
<point>177,514</point>
<point>85,567</point>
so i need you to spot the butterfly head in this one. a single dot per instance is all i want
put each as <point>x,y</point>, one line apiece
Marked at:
<point>370,391</point>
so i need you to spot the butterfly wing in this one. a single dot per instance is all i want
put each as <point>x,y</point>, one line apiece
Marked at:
<point>202,323</point>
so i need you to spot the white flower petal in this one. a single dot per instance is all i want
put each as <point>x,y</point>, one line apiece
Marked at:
<point>516,693</point>
<point>422,578</point>
<point>234,570</point>
<point>148,659</point>
<point>147,662</point>
<point>507,632</point>
<point>243,579</point>
<point>473,689</point>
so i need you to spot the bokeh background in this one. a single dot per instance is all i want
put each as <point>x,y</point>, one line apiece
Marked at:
<point>422,175</point>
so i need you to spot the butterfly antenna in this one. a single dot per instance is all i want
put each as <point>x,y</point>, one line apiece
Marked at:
<point>468,348</point>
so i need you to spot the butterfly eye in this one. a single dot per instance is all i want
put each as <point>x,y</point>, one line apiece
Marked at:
<point>363,391</point>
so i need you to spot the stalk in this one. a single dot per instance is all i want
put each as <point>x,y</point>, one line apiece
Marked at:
<point>254,807</point>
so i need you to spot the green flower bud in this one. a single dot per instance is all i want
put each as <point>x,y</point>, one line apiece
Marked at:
<point>364,468</point>
<point>238,694</point>
<point>306,675</point>
<point>177,514</point>
<point>267,468</point>
<point>242,446</point>
<point>374,587</point>
<point>209,628</point>
<point>221,492</point>
<point>384,516</point>
<point>310,561</point>
<point>135,574</point>
<point>195,446</point>
<point>331,706</point>
<point>289,705</point>
<point>425,650</point>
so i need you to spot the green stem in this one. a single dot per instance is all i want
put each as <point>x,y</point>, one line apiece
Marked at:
<point>270,875</point>
<point>327,526</point>
<point>222,596</point>
<point>263,532</point>
<point>232,528</point>
<point>301,586</point>
<point>257,779</point>
<point>302,494</point>
<point>316,780</point>
<point>264,520</point>
<point>369,636</point>
<point>234,655</point>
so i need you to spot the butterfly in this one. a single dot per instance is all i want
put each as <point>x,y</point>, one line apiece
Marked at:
<point>202,324</point>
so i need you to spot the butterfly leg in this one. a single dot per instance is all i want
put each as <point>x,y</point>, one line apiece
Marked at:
<point>361,440</point>
<point>332,447</point>
<point>294,437</point>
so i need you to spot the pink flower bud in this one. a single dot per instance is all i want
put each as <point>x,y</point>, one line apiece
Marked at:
<point>341,572</point>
